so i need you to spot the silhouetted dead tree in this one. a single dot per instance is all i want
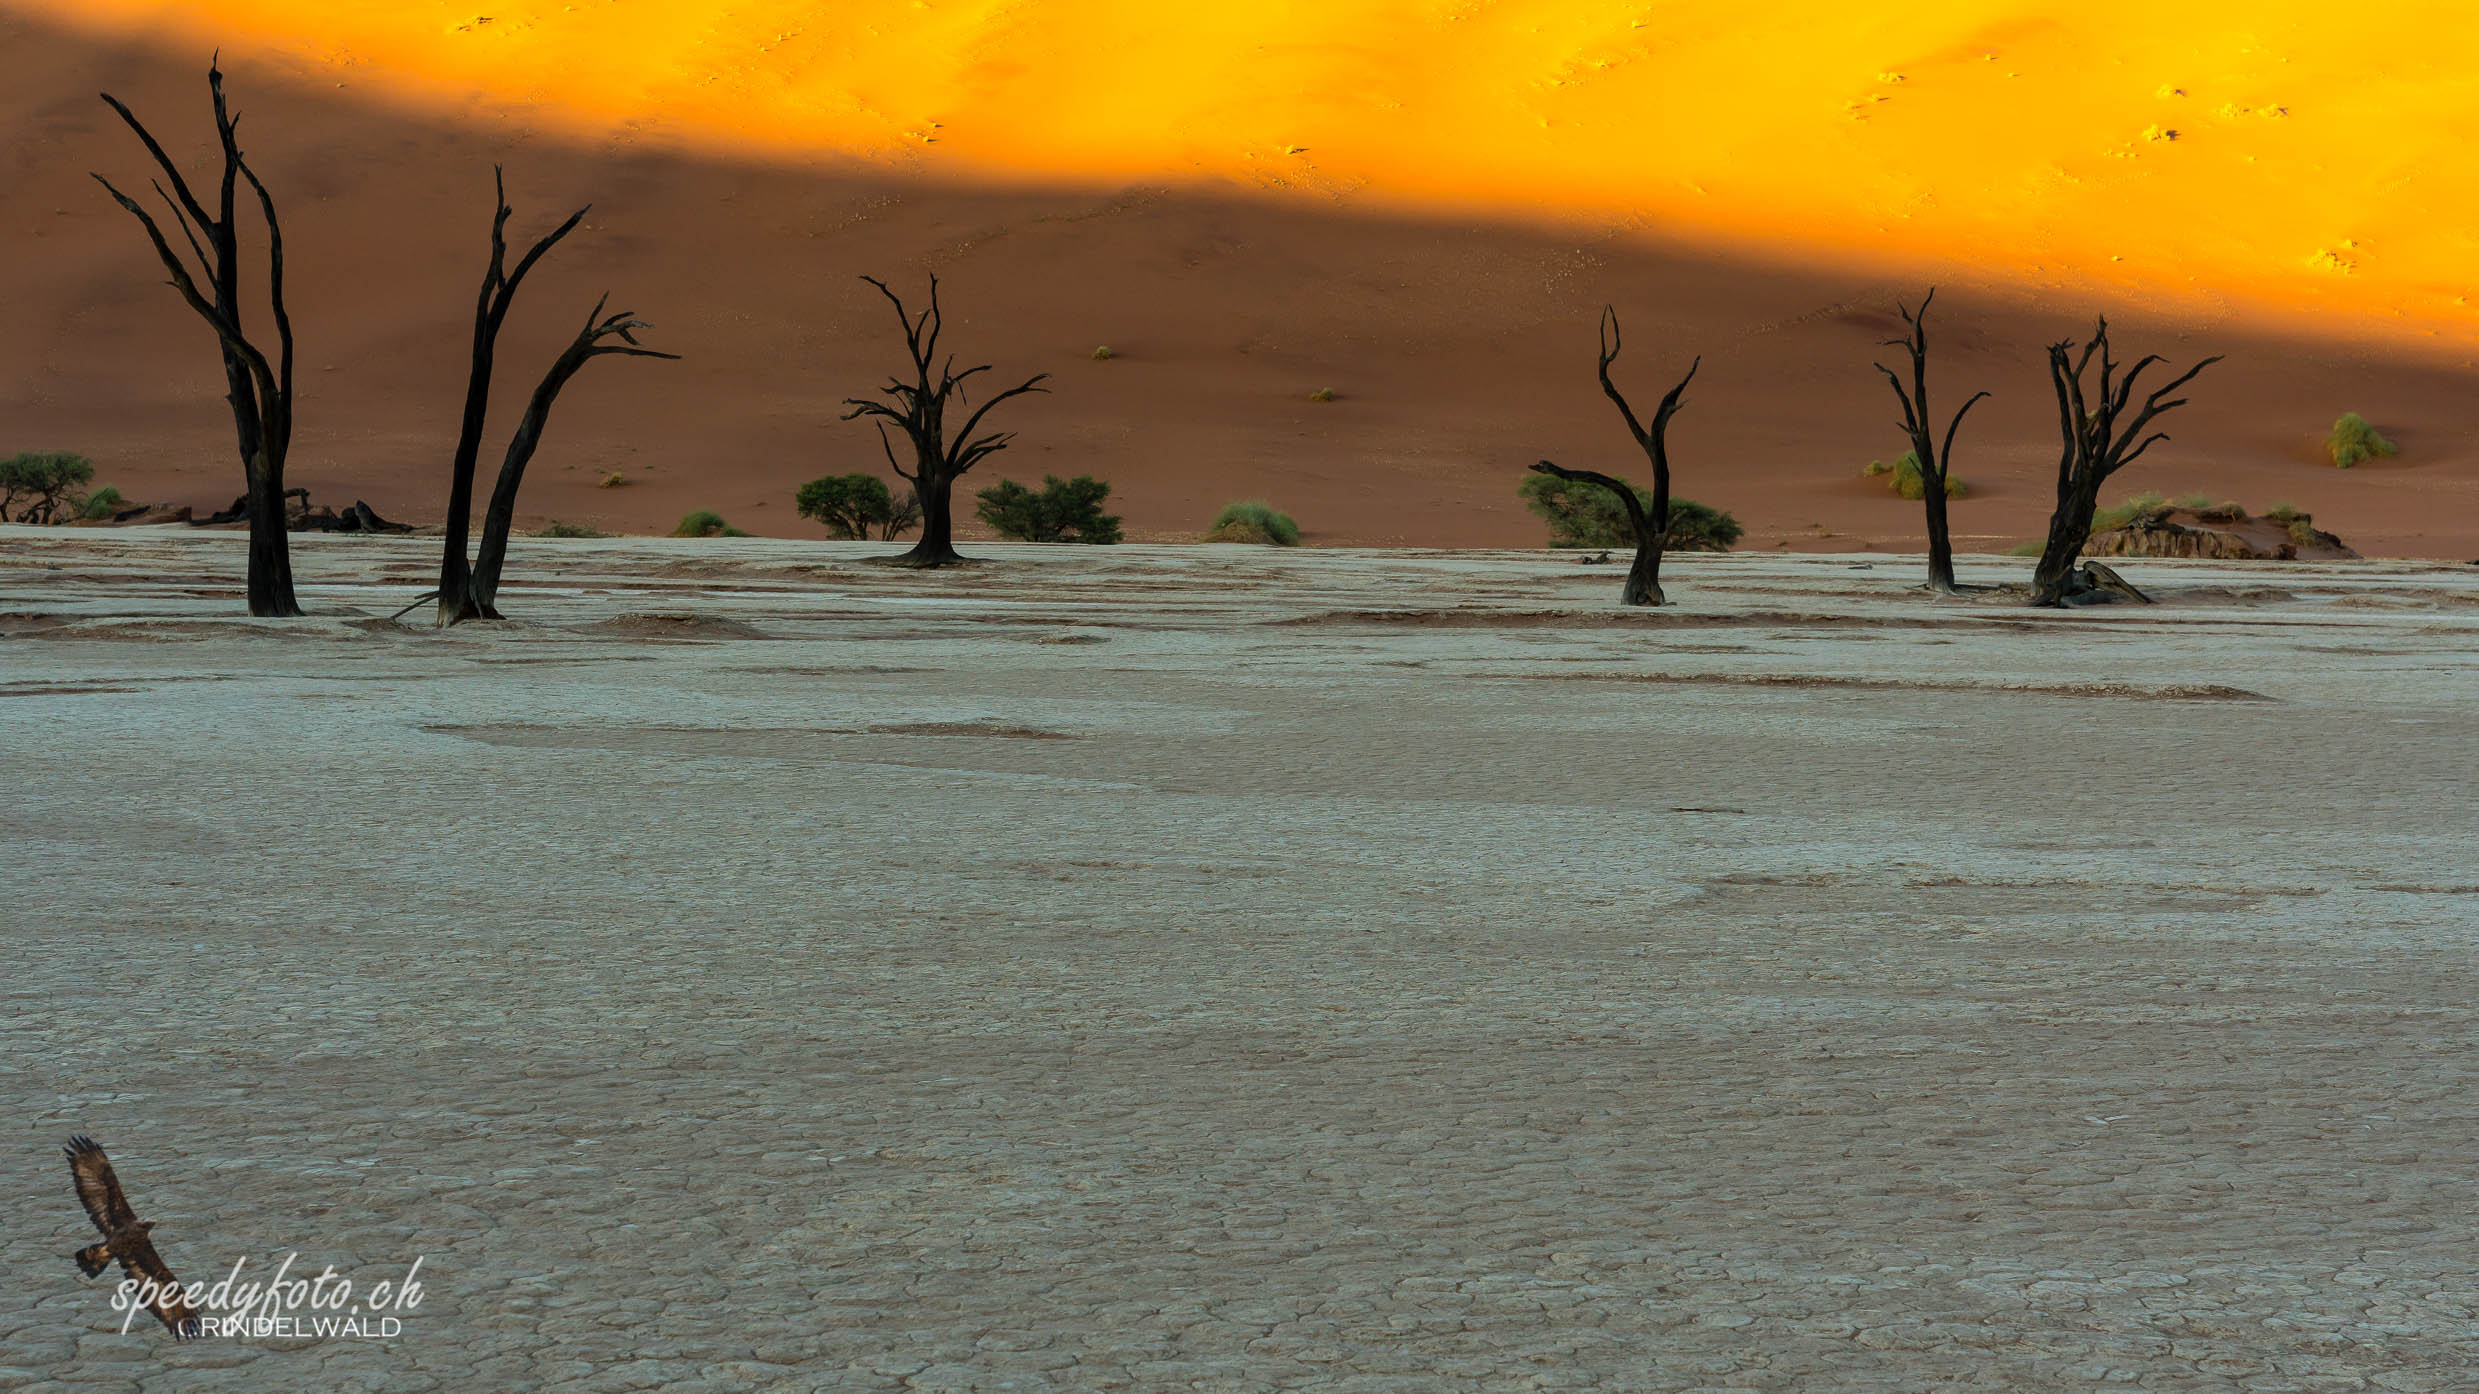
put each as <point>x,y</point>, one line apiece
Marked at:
<point>588,345</point>
<point>2095,446</point>
<point>261,392</point>
<point>1934,462</point>
<point>1651,525</point>
<point>920,412</point>
<point>499,287</point>
<point>471,592</point>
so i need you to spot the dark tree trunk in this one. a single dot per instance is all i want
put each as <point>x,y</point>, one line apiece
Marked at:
<point>456,599</point>
<point>920,411</point>
<point>1651,526</point>
<point>271,556</point>
<point>1935,465</point>
<point>260,392</point>
<point>1651,531</point>
<point>1940,542</point>
<point>2070,527</point>
<point>936,545</point>
<point>1644,577</point>
<point>501,519</point>
<point>2094,447</point>
<point>462,595</point>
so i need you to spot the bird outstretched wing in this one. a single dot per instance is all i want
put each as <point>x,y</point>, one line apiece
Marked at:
<point>97,1188</point>
<point>170,1308</point>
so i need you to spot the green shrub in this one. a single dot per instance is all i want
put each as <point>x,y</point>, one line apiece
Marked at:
<point>1065,510</point>
<point>2354,442</point>
<point>1103,354</point>
<point>1587,515</point>
<point>567,530</point>
<point>44,479</point>
<point>2138,508</point>
<point>2296,521</point>
<point>1696,528</point>
<point>1909,480</point>
<point>1251,521</point>
<point>850,505</point>
<point>102,503</point>
<point>705,522</point>
<point>2027,549</point>
<point>1322,394</point>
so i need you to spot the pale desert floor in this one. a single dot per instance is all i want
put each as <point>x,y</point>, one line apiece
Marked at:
<point>1220,969</point>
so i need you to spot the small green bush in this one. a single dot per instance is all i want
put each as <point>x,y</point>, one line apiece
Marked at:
<point>850,505</point>
<point>45,480</point>
<point>1065,510</point>
<point>1587,515</point>
<point>102,503</point>
<point>2296,521</point>
<point>1322,394</point>
<point>2353,442</point>
<point>1103,354</point>
<point>2145,507</point>
<point>705,522</point>
<point>1696,528</point>
<point>2027,549</point>
<point>1909,480</point>
<point>1252,521</point>
<point>567,530</point>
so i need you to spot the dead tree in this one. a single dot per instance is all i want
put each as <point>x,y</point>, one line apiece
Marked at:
<point>920,412</point>
<point>1650,525</point>
<point>501,517</point>
<point>1933,461</point>
<point>499,287</point>
<point>470,591</point>
<point>2095,446</point>
<point>260,392</point>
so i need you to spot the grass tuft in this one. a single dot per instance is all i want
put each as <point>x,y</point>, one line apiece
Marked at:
<point>2353,442</point>
<point>705,522</point>
<point>1909,480</point>
<point>1252,521</point>
<point>2146,507</point>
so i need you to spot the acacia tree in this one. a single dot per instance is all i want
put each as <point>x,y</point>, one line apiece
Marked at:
<point>259,391</point>
<point>470,592</point>
<point>919,410</point>
<point>1934,462</point>
<point>2094,445</point>
<point>1651,526</point>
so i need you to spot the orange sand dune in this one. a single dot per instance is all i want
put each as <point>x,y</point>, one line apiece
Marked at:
<point>1459,344</point>
<point>2289,155</point>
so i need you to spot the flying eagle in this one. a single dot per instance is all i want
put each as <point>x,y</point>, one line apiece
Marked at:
<point>124,1236</point>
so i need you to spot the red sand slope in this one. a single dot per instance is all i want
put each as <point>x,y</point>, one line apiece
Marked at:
<point>1460,351</point>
